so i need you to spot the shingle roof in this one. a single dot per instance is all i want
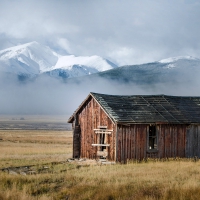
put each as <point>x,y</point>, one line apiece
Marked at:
<point>150,108</point>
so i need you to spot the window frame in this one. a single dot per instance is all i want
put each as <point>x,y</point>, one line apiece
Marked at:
<point>148,138</point>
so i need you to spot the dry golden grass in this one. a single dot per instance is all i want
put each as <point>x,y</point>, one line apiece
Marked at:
<point>169,179</point>
<point>22,147</point>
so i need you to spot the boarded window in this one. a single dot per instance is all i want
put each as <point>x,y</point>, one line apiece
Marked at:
<point>102,134</point>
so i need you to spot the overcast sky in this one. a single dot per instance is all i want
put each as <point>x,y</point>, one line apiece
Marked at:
<point>125,32</point>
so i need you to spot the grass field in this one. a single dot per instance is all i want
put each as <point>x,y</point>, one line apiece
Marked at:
<point>23,147</point>
<point>55,178</point>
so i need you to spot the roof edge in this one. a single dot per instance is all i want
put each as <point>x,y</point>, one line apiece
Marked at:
<point>92,94</point>
<point>70,120</point>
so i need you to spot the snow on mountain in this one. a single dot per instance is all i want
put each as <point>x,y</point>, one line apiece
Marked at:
<point>72,66</point>
<point>33,59</point>
<point>30,59</point>
<point>176,69</point>
<point>175,59</point>
<point>95,62</point>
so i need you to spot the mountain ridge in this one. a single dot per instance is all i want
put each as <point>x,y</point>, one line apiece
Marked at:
<point>32,59</point>
<point>170,70</point>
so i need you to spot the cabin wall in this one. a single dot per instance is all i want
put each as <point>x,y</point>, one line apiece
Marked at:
<point>89,119</point>
<point>171,140</point>
<point>133,141</point>
<point>193,141</point>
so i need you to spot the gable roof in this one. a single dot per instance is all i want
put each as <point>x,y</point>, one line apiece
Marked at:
<point>148,108</point>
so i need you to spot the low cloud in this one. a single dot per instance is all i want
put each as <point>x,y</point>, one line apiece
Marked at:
<point>49,96</point>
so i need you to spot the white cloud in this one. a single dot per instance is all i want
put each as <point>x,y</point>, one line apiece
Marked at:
<point>64,44</point>
<point>141,31</point>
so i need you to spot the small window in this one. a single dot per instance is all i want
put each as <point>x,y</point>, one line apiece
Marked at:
<point>152,142</point>
<point>102,137</point>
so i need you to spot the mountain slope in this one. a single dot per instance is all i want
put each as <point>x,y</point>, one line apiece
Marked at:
<point>30,59</point>
<point>33,59</point>
<point>168,70</point>
<point>72,66</point>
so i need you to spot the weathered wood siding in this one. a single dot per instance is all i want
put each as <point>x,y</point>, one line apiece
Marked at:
<point>193,141</point>
<point>171,140</point>
<point>132,142</point>
<point>90,117</point>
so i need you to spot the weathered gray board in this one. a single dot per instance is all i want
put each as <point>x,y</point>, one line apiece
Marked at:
<point>193,141</point>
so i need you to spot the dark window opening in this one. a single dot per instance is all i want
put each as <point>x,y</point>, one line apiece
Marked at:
<point>102,138</point>
<point>152,138</point>
<point>102,141</point>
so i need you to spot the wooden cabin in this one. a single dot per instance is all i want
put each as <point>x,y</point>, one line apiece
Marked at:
<point>121,128</point>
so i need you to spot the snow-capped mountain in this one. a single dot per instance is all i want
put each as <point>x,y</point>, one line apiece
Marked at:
<point>176,69</point>
<point>33,59</point>
<point>71,66</point>
<point>28,59</point>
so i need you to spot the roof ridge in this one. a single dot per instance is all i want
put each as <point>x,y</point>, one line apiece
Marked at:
<point>145,95</point>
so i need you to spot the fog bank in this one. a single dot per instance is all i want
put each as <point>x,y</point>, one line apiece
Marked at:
<point>49,96</point>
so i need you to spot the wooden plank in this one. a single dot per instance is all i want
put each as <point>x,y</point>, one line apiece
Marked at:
<point>175,141</point>
<point>167,141</point>
<point>178,141</point>
<point>101,145</point>
<point>171,136</point>
<point>182,146</point>
<point>182,141</point>
<point>173,144</point>
<point>138,142</point>
<point>189,140</point>
<point>187,152</point>
<point>195,144</point>
<point>135,141</point>
<point>192,141</point>
<point>145,141</point>
<point>130,147</point>
<point>102,153</point>
<point>120,144</point>
<point>142,142</point>
<point>103,132</point>
<point>125,145</point>
<point>147,138</point>
<point>162,142</point>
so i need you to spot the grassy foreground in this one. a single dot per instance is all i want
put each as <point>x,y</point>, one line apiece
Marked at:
<point>169,179</point>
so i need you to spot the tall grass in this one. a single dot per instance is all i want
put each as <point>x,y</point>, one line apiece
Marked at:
<point>150,180</point>
<point>20,147</point>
